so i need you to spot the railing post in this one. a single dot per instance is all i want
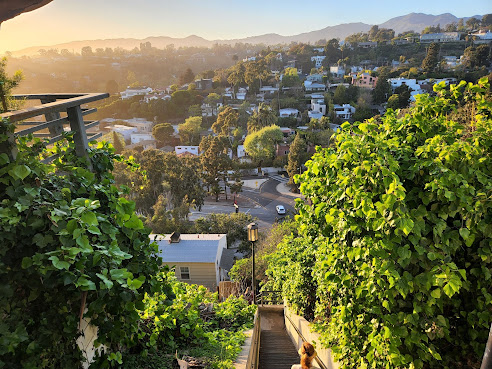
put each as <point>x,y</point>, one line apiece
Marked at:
<point>54,130</point>
<point>80,137</point>
<point>9,146</point>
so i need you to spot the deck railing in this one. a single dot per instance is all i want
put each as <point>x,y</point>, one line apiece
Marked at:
<point>254,352</point>
<point>55,112</point>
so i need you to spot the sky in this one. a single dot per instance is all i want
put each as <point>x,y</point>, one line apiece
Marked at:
<point>73,20</point>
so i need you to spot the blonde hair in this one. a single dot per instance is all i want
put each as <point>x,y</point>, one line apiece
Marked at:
<point>308,353</point>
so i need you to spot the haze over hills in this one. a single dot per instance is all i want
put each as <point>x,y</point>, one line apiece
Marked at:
<point>412,21</point>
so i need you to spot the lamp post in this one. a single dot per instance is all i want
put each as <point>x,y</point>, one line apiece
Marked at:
<point>253,237</point>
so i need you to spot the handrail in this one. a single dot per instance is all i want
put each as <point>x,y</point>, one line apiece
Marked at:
<point>320,363</point>
<point>254,352</point>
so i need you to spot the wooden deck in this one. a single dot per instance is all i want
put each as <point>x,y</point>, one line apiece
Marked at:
<point>276,348</point>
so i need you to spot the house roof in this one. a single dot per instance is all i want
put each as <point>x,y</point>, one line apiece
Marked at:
<point>192,248</point>
<point>227,259</point>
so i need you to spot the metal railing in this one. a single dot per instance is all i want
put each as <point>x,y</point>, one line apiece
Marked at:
<point>57,110</point>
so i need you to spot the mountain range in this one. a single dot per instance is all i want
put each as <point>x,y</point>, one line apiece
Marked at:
<point>413,21</point>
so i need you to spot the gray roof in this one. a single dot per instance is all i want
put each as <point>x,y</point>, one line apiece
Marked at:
<point>192,248</point>
<point>227,260</point>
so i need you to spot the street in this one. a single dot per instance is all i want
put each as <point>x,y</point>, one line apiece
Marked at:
<point>258,198</point>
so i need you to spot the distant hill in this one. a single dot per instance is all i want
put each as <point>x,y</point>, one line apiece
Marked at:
<point>418,21</point>
<point>412,21</point>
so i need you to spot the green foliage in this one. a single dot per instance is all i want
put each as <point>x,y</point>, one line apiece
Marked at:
<point>7,84</point>
<point>432,58</point>
<point>180,326</point>
<point>261,144</point>
<point>163,133</point>
<point>70,244</point>
<point>189,131</point>
<point>393,252</point>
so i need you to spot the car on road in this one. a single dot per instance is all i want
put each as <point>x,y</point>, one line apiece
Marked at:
<point>280,209</point>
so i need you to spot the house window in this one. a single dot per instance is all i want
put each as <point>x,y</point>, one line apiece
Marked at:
<point>185,272</point>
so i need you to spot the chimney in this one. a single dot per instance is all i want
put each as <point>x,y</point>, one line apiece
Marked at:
<point>175,237</point>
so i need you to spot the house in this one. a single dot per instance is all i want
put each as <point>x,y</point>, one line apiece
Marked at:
<point>282,149</point>
<point>193,150</point>
<point>318,60</point>
<point>315,78</point>
<point>162,96</point>
<point>288,112</point>
<point>242,155</point>
<point>451,61</point>
<point>313,86</point>
<point>146,144</point>
<point>482,37</point>
<point>345,111</point>
<point>314,115</point>
<point>364,80</point>
<point>139,137</point>
<point>241,93</point>
<point>367,45</point>
<point>318,104</point>
<point>287,132</point>
<point>135,91</point>
<point>441,37</point>
<point>142,124</point>
<point>209,110</point>
<point>251,58</point>
<point>318,49</point>
<point>196,258</point>
<point>412,83</point>
<point>203,84</point>
<point>125,131</point>
<point>337,71</point>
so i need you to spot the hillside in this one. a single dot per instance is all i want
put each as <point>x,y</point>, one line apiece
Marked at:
<point>412,21</point>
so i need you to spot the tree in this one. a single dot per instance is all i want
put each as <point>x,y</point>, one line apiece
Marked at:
<point>226,119</point>
<point>340,95</point>
<point>290,78</point>
<point>189,131</point>
<point>472,23</point>
<point>432,58</point>
<point>382,89</point>
<point>255,71</point>
<point>7,84</point>
<point>234,225</point>
<point>476,57</point>
<point>263,117</point>
<point>215,161</point>
<point>187,77</point>
<point>213,100</point>
<point>393,234</point>
<point>236,75</point>
<point>393,102</point>
<point>487,20</point>
<point>296,158</point>
<point>260,145</point>
<point>86,51</point>
<point>163,133</point>
<point>112,87</point>
<point>116,139</point>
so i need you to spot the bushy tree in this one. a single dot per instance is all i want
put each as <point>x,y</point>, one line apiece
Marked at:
<point>189,131</point>
<point>296,158</point>
<point>260,145</point>
<point>393,248</point>
<point>163,132</point>
<point>430,61</point>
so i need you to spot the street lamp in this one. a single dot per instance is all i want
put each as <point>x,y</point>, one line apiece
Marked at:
<point>253,237</point>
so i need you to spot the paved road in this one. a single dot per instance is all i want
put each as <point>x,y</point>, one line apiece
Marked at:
<point>259,203</point>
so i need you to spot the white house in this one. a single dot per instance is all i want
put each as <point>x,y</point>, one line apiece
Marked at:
<point>268,89</point>
<point>313,86</point>
<point>288,112</point>
<point>194,150</point>
<point>159,96</point>
<point>314,115</point>
<point>319,49</point>
<point>196,258</point>
<point>345,111</point>
<point>125,131</point>
<point>142,124</point>
<point>139,137</point>
<point>135,91</point>
<point>441,37</point>
<point>482,37</point>
<point>209,110</point>
<point>241,93</point>
<point>338,71</point>
<point>318,104</point>
<point>287,132</point>
<point>451,61</point>
<point>318,60</point>
<point>412,83</point>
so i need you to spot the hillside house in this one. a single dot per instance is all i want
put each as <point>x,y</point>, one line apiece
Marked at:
<point>139,137</point>
<point>287,132</point>
<point>337,71</point>
<point>318,60</point>
<point>364,80</point>
<point>314,87</point>
<point>345,111</point>
<point>288,112</point>
<point>315,78</point>
<point>135,91</point>
<point>441,37</point>
<point>143,125</point>
<point>196,258</point>
<point>367,44</point>
<point>314,115</point>
<point>203,84</point>
<point>193,150</point>
<point>482,37</point>
<point>318,104</point>
<point>282,149</point>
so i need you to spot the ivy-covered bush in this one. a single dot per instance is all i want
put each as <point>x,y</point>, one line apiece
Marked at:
<point>399,224</point>
<point>70,247</point>
<point>194,324</point>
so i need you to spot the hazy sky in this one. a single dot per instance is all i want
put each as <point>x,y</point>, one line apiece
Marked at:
<point>71,20</point>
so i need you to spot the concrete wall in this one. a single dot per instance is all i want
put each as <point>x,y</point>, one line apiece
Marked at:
<point>304,327</point>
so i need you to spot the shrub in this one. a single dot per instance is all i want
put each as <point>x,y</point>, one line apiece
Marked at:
<point>395,242</point>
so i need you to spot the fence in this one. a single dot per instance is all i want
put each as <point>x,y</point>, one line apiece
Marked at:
<point>57,110</point>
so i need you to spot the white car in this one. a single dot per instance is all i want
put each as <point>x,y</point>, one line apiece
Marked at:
<point>280,209</point>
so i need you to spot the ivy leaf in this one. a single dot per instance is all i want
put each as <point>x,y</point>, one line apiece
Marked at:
<point>118,274</point>
<point>59,264</point>
<point>465,233</point>
<point>134,222</point>
<point>86,284</point>
<point>89,218</point>
<point>20,171</point>
<point>107,282</point>
<point>26,262</point>
<point>436,293</point>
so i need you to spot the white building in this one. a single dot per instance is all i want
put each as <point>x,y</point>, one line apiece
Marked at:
<point>412,83</point>
<point>318,60</point>
<point>125,131</point>
<point>136,138</point>
<point>482,37</point>
<point>318,104</point>
<point>441,37</point>
<point>288,112</point>
<point>269,89</point>
<point>345,111</point>
<point>314,115</point>
<point>338,71</point>
<point>194,150</point>
<point>315,78</point>
<point>142,124</point>
<point>135,91</point>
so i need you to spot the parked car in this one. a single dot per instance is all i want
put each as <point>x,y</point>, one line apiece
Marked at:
<point>280,209</point>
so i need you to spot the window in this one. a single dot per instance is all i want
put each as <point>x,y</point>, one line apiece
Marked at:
<point>185,272</point>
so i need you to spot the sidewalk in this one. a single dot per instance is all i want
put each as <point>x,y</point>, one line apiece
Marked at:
<point>284,190</point>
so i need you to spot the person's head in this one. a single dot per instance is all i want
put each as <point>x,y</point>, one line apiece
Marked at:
<point>307,349</point>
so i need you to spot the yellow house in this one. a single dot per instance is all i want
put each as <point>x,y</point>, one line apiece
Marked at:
<point>196,258</point>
